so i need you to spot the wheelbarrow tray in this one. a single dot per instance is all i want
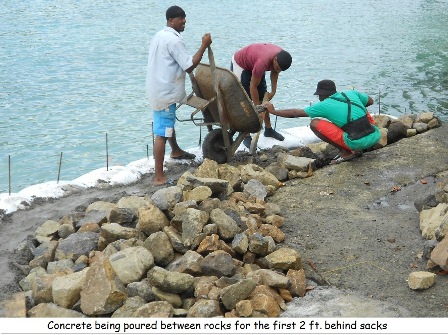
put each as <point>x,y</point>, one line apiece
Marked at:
<point>238,111</point>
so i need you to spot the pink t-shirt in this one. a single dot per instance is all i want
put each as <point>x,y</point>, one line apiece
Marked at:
<point>257,58</point>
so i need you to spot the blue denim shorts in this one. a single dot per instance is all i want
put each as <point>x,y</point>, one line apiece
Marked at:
<point>164,121</point>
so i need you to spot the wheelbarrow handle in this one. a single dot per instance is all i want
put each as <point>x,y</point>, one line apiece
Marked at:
<point>260,109</point>
<point>211,58</point>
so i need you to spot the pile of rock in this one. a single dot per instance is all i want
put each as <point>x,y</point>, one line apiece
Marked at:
<point>434,227</point>
<point>407,125</point>
<point>204,248</point>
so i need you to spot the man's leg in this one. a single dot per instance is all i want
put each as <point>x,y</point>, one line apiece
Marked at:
<point>268,130</point>
<point>262,89</point>
<point>167,120</point>
<point>159,156</point>
<point>176,151</point>
<point>163,129</point>
<point>332,134</point>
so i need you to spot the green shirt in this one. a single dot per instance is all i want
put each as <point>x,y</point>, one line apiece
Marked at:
<point>336,112</point>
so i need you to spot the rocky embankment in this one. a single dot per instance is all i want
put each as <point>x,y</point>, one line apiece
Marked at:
<point>211,246</point>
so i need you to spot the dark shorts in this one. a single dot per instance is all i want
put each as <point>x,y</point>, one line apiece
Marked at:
<point>246,76</point>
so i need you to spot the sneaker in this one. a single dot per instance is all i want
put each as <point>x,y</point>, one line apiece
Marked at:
<point>247,141</point>
<point>269,132</point>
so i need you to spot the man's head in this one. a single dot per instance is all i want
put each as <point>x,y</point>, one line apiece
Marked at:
<point>282,61</point>
<point>175,18</point>
<point>325,88</point>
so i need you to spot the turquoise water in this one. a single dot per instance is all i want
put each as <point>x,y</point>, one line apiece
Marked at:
<point>73,71</point>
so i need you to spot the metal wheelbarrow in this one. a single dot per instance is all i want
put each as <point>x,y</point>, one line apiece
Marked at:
<point>227,110</point>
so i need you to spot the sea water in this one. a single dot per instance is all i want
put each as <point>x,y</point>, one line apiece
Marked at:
<point>73,72</point>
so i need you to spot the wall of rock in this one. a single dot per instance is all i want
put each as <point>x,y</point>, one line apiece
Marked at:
<point>206,247</point>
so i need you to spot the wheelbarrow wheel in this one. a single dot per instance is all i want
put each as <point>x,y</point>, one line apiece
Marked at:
<point>214,148</point>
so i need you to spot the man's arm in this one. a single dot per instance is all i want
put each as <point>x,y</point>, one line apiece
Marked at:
<point>206,41</point>
<point>289,113</point>
<point>253,87</point>
<point>274,80</point>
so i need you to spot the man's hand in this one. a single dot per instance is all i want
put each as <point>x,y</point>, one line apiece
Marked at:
<point>269,106</point>
<point>206,40</point>
<point>270,95</point>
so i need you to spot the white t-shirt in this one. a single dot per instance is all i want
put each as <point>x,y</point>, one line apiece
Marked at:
<point>167,61</point>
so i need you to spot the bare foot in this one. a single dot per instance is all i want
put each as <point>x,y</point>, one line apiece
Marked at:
<point>167,182</point>
<point>159,181</point>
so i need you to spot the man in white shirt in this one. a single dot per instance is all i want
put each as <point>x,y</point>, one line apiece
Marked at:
<point>168,62</point>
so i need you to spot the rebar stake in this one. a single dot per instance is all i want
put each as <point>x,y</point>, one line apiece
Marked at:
<point>379,102</point>
<point>107,154</point>
<point>59,170</point>
<point>9,174</point>
<point>152,133</point>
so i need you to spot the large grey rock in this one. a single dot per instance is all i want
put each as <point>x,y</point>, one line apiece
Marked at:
<point>421,280</point>
<point>194,222</point>
<point>204,308</point>
<point>112,232</point>
<point>130,306</point>
<point>103,292</point>
<point>141,289</point>
<point>66,290</point>
<point>253,171</point>
<point>160,247</point>
<point>50,310</point>
<point>131,264</point>
<point>151,219</point>
<point>98,217</point>
<point>218,263</point>
<point>155,309</point>
<point>168,197</point>
<point>227,227</point>
<point>231,294</point>
<point>440,254</point>
<point>173,282</point>
<point>285,259</point>
<point>255,188</point>
<point>76,245</point>
<point>189,263</point>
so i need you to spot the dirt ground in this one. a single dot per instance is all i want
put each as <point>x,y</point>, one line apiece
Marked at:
<point>358,229</point>
<point>355,225</point>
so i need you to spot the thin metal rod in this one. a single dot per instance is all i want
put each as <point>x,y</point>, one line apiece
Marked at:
<point>59,170</point>
<point>147,151</point>
<point>107,154</point>
<point>379,102</point>
<point>9,173</point>
<point>152,133</point>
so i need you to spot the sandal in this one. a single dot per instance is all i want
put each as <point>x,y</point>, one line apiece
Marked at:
<point>185,155</point>
<point>341,159</point>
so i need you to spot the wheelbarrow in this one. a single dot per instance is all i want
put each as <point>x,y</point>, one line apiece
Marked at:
<point>226,108</point>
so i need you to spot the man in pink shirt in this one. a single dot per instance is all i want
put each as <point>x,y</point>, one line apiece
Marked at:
<point>250,64</point>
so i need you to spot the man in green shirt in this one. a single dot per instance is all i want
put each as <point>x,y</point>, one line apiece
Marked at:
<point>340,119</point>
